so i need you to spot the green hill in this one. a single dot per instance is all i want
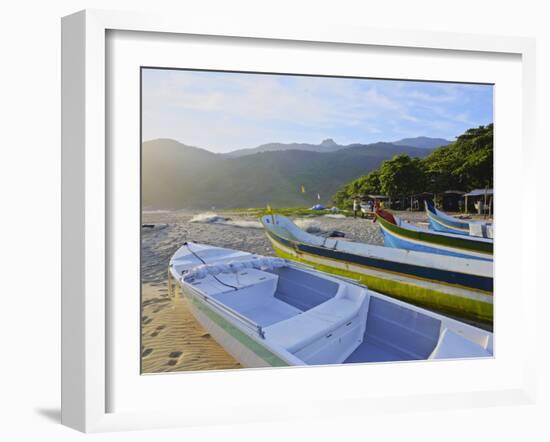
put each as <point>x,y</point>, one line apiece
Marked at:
<point>176,176</point>
<point>464,165</point>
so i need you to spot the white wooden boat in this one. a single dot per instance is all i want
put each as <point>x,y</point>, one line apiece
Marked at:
<point>269,311</point>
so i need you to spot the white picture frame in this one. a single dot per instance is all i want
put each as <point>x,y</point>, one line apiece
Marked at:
<point>87,208</point>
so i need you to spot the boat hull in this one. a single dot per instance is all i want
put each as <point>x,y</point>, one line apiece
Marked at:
<point>453,298</point>
<point>441,222</point>
<point>425,241</point>
<point>446,226</point>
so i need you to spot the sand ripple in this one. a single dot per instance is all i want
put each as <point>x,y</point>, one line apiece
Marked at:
<point>172,340</point>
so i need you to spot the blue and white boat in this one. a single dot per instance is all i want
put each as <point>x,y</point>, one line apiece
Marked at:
<point>441,222</point>
<point>404,235</point>
<point>270,312</point>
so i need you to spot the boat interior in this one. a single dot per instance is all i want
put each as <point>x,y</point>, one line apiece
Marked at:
<point>322,320</point>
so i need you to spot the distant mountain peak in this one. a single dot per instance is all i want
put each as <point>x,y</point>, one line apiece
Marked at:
<point>328,142</point>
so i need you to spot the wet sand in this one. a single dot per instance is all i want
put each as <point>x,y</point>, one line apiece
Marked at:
<point>172,340</point>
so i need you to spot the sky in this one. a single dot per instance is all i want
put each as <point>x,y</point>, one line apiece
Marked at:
<point>222,111</point>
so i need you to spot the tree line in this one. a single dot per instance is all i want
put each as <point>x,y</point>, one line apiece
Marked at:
<point>463,165</point>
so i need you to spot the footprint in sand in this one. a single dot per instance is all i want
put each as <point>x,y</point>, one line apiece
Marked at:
<point>146,352</point>
<point>175,354</point>
<point>148,321</point>
<point>157,331</point>
<point>172,362</point>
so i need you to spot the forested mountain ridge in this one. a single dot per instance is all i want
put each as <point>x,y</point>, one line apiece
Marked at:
<point>464,165</point>
<point>176,176</point>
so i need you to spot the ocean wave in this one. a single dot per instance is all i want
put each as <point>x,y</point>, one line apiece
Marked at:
<point>156,211</point>
<point>335,216</point>
<point>308,225</point>
<point>214,218</point>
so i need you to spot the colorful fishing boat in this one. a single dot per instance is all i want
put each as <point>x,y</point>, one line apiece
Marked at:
<point>403,235</point>
<point>448,284</point>
<point>270,312</point>
<point>441,222</point>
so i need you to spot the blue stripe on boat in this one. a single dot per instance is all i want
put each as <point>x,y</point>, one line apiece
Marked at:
<point>447,225</point>
<point>399,243</point>
<point>438,227</point>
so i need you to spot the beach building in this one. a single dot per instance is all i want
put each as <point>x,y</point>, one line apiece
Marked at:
<point>383,200</point>
<point>406,202</point>
<point>372,198</point>
<point>416,201</point>
<point>479,201</point>
<point>453,201</point>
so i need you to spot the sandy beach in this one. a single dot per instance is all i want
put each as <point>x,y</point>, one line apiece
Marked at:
<point>171,338</point>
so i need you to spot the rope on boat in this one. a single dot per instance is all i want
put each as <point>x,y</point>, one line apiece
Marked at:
<point>204,263</point>
<point>257,262</point>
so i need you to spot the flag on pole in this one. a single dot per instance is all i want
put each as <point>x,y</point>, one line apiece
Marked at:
<point>269,209</point>
<point>303,189</point>
<point>319,197</point>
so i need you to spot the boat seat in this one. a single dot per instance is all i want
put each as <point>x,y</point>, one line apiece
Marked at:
<point>299,331</point>
<point>269,312</point>
<point>452,345</point>
<point>303,290</point>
